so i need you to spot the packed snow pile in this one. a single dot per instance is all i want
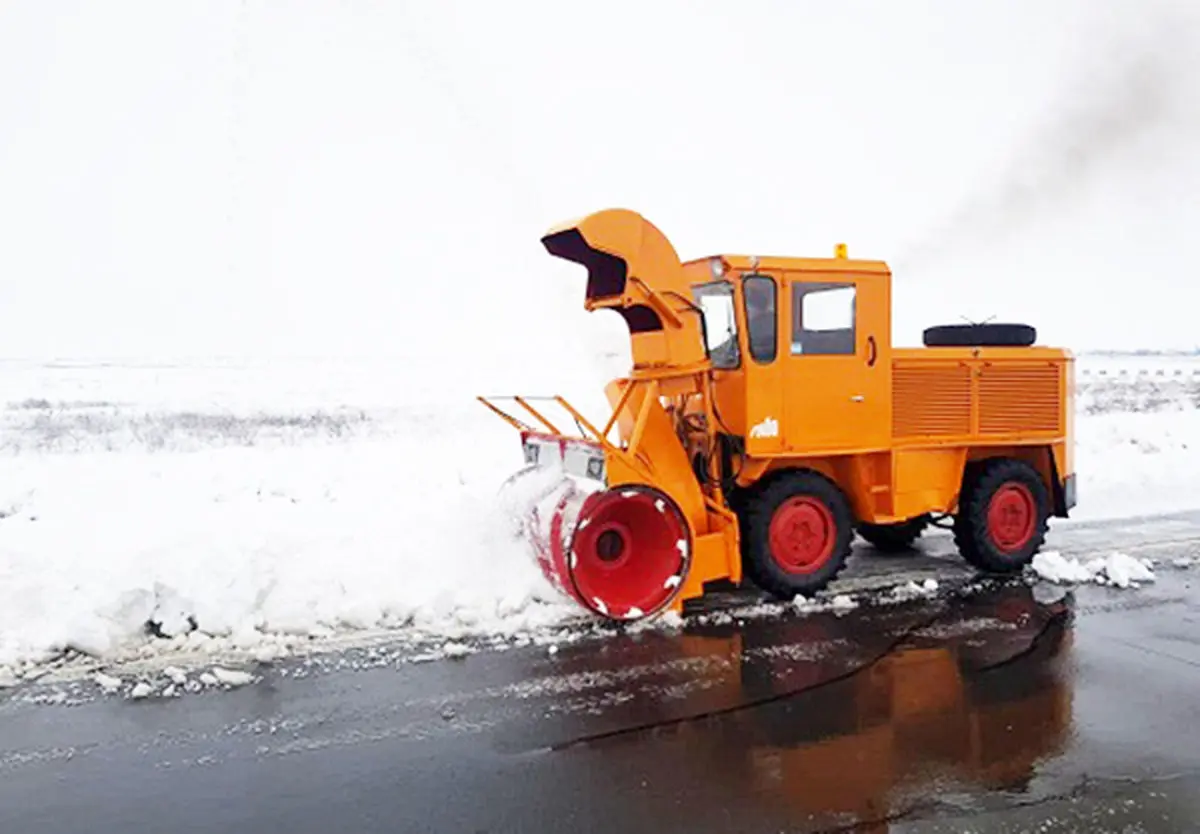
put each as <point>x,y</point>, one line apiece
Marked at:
<point>1116,569</point>
<point>1138,436</point>
<point>199,508</point>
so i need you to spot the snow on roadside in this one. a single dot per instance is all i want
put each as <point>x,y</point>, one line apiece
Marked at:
<point>264,547</point>
<point>1131,464</point>
<point>1116,569</point>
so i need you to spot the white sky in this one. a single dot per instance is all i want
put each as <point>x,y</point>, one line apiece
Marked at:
<point>321,177</point>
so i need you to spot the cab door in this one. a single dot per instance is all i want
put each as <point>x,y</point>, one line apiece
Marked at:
<point>838,363</point>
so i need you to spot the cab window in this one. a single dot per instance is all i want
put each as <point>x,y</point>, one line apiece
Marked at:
<point>823,319</point>
<point>720,325</point>
<point>762,319</point>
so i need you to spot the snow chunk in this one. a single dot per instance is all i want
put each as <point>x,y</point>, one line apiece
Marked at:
<point>1054,567</point>
<point>1124,571</point>
<point>671,619</point>
<point>232,677</point>
<point>911,590</point>
<point>107,682</point>
<point>1117,569</point>
<point>141,690</point>
<point>453,648</point>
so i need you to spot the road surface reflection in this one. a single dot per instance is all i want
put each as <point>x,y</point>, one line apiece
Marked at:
<point>823,720</point>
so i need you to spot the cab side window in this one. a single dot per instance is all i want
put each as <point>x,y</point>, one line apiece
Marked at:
<point>823,319</point>
<point>762,316</point>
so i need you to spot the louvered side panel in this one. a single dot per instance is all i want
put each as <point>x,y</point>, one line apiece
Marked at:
<point>931,400</point>
<point>1020,399</point>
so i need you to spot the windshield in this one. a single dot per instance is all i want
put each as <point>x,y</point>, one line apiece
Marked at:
<point>720,327</point>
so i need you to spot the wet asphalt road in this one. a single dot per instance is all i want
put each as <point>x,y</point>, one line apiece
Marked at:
<point>989,709</point>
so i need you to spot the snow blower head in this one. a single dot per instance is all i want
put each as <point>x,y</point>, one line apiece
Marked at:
<point>621,553</point>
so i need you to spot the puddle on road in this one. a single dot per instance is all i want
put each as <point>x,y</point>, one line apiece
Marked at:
<point>825,721</point>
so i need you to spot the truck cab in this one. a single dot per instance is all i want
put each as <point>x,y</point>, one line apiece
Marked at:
<point>801,351</point>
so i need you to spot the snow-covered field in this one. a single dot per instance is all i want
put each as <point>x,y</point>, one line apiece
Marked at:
<point>154,509</point>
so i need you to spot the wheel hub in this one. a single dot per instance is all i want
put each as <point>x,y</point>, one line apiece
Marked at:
<point>802,534</point>
<point>1011,517</point>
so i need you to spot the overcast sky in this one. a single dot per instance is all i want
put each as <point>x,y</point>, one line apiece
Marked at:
<point>342,177</point>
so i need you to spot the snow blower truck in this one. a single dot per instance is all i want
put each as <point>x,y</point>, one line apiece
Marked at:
<point>767,420</point>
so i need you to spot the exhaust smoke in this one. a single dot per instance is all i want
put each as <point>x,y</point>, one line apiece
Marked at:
<point>1130,113</point>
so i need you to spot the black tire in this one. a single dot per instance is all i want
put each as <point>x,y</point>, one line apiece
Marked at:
<point>980,335</point>
<point>894,538</point>
<point>983,547</point>
<point>761,507</point>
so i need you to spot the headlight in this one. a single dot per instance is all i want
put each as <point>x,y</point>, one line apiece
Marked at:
<point>580,459</point>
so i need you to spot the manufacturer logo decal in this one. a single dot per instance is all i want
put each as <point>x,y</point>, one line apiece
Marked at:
<point>767,428</point>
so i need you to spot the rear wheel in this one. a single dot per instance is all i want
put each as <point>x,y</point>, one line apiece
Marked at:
<point>894,538</point>
<point>1003,516</point>
<point>797,533</point>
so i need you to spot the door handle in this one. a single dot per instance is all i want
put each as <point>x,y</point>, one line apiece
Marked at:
<point>871,359</point>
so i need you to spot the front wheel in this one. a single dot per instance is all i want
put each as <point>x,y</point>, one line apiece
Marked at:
<point>797,534</point>
<point>1003,515</point>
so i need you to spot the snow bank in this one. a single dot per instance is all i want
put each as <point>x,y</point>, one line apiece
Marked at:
<point>1116,569</point>
<point>1131,464</point>
<point>263,507</point>
<point>237,520</point>
<point>242,543</point>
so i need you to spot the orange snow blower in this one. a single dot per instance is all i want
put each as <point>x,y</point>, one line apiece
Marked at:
<point>767,419</point>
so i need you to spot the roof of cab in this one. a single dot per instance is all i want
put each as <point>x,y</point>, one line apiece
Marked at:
<point>770,263</point>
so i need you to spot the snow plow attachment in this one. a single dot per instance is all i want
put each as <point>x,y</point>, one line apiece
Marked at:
<point>623,526</point>
<point>619,544</point>
<point>620,553</point>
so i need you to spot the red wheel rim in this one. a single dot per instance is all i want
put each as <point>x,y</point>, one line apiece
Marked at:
<point>1012,514</point>
<point>802,535</point>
